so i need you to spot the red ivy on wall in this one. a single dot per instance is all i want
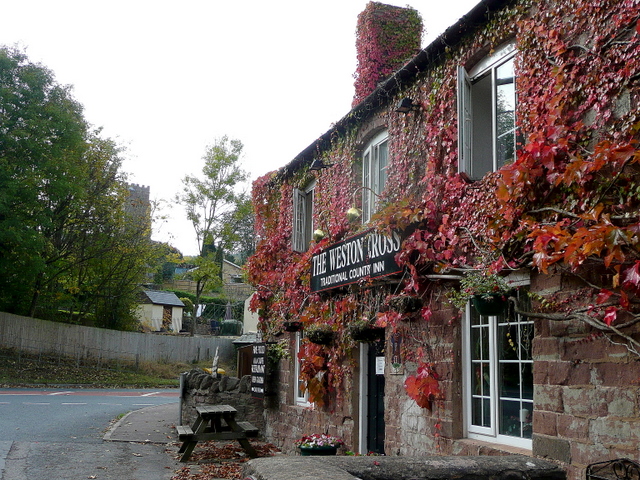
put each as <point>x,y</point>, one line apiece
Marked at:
<point>386,38</point>
<point>571,197</point>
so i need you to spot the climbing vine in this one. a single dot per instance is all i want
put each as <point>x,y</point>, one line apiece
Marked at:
<point>569,204</point>
<point>383,47</point>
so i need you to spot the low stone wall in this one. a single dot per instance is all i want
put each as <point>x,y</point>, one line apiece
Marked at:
<point>515,467</point>
<point>201,388</point>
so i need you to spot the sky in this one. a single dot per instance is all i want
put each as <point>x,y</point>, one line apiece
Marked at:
<point>166,79</point>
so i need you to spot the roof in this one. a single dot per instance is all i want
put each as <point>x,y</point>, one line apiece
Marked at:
<point>403,77</point>
<point>159,297</point>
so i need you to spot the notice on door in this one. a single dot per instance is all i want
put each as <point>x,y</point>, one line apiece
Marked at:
<point>379,365</point>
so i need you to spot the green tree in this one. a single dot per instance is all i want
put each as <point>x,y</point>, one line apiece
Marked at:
<point>41,147</point>
<point>66,240</point>
<point>214,205</point>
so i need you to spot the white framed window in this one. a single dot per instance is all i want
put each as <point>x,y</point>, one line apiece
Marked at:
<point>375,159</point>
<point>486,114</point>
<point>302,218</point>
<point>498,377</point>
<point>301,394</point>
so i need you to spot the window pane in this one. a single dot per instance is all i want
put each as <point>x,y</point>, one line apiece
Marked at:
<point>510,418</point>
<point>505,114</point>
<point>527,381</point>
<point>383,154</point>
<point>477,319</point>
<point>481,412</point>
<point>480,343</point>
<point>526,339</point>
<point>510,380</point>
<point>481,381</point>
<point>515,418</point>
<point>507,341</point>
<point>482,126</point>
<point>366,182</point>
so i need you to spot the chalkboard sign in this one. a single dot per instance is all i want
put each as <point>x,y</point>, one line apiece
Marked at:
<point>258,369</point>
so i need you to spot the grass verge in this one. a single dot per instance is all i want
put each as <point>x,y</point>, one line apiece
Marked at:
<point>21,369</point>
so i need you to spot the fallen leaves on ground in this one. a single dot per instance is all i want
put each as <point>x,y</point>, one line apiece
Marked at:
<point>220,460</point>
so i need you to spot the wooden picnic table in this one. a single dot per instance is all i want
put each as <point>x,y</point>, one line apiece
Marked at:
<point>215,422</point>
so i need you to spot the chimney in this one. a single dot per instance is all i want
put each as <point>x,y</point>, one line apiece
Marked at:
<point>386,38</point>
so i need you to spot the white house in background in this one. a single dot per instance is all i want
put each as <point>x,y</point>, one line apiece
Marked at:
<point>250,319</point>
<point>160,310</point>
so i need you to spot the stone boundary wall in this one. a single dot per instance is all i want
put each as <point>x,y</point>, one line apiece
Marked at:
<point>201,388</point>
<point>285,467</point>
<point>41,336</point>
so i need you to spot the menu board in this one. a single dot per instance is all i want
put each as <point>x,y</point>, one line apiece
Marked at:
<point>258,369</point>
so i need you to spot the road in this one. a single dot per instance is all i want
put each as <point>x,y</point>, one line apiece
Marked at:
<point>53,415</point>
<point>57,434</point>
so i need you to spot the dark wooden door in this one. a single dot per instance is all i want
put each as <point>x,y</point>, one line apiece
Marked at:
<point>375,401</point>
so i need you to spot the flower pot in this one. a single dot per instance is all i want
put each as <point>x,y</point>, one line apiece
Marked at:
<point>309,451</point>
<point>292,326</point>
<point>490,304</point>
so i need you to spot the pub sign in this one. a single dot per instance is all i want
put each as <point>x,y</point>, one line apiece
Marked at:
<point>368,255</point>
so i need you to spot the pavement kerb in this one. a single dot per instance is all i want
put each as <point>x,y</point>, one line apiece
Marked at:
<point>155,424</point>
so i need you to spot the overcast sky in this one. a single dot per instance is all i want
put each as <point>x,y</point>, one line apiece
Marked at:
<point>165,79</point>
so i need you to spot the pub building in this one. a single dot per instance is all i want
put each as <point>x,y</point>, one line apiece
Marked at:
<point>506,148</point>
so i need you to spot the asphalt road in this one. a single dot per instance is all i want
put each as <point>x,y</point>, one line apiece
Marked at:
<point>54,415</point>
<point>56,434</point>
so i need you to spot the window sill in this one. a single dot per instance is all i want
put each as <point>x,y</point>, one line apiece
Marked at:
<point>475,445</point>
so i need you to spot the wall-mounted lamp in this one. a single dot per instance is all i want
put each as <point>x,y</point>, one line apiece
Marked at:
<point>354,213</point>
<point>406,105</point>
<point>318,164</point>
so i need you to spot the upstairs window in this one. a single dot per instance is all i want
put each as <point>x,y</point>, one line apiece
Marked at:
<point>374,173</point>
<point>486,114</point>
<point>302,218</point>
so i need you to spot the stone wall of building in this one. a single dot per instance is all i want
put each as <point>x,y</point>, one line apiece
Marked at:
<point>587,389</point>
<point>287,422</point>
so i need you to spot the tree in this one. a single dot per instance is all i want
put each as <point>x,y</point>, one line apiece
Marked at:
<point>67,243</point>
<point>244,231</point>
<point>41,144</point>
<point>215,207</point>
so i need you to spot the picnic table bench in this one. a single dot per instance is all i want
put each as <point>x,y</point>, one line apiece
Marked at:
<point>215,422</point>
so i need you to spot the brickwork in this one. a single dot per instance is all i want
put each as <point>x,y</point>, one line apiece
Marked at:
<point>587,391</point>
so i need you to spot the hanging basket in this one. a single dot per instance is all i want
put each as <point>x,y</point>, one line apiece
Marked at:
<point>405,303</point>
<point>292,326</point>
<point>490,304</point>
<point>320,337</point>
<point>366,333</point>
